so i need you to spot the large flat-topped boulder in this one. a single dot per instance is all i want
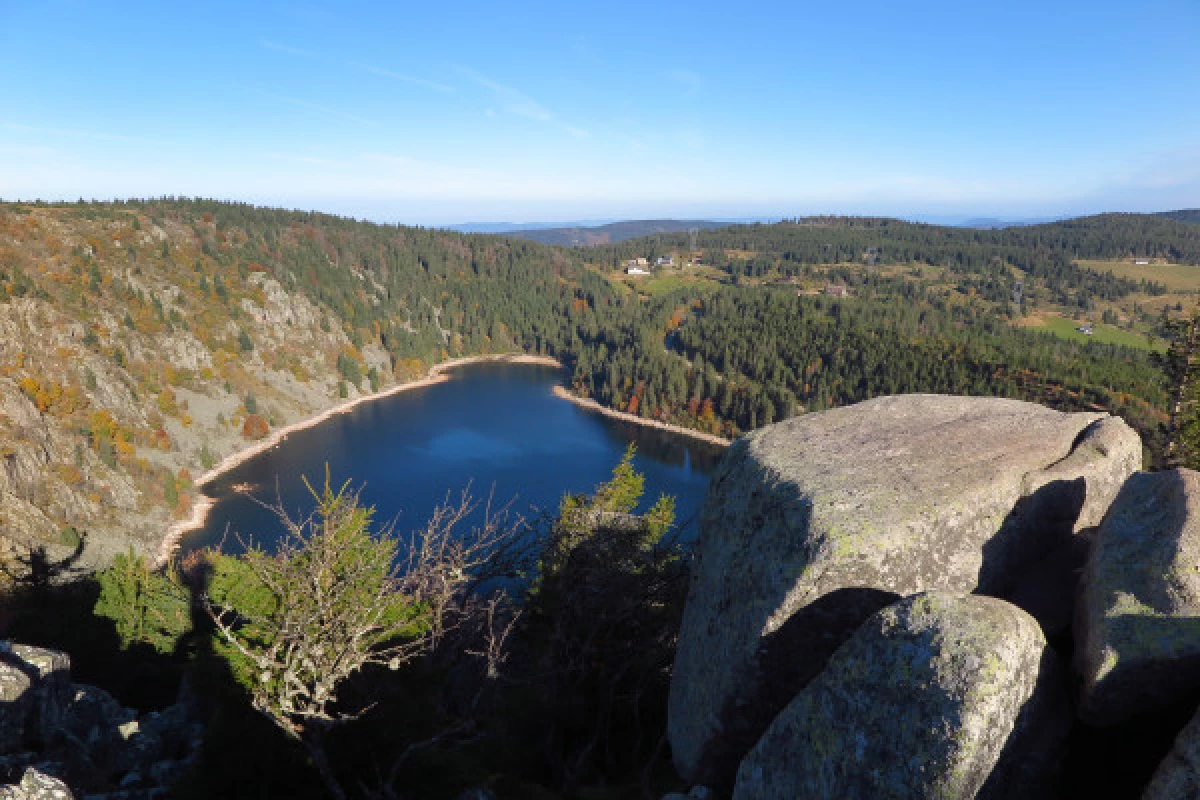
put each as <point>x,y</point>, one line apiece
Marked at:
<point>1138,619</point>
<point>937,696</point>
<point>813,524</point>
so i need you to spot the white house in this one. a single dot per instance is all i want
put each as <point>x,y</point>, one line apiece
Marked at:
<point>636,271</point>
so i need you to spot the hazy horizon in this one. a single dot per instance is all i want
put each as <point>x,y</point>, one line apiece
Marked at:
<point>437,116</point>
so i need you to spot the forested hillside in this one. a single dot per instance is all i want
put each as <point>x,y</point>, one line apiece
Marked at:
<point>143,341</point>
<point>1041,256</point>
<point>739,358</point>
<point>1187,215</point>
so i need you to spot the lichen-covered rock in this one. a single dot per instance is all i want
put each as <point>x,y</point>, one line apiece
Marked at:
<point>83,734</point>
<point>35,688</point>
<point>1178,776</point>
<point>938,696</point>
<point>36,785</point>
<point>813,524</point>
<point>1138,620</point>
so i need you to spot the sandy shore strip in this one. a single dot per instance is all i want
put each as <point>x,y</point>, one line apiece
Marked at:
<point>203,504</point>
<point>592,405</point>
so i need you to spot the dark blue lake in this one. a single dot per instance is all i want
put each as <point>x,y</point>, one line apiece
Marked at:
<point>495,427</point>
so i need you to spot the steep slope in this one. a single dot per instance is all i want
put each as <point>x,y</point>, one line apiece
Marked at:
<point>141,343</point>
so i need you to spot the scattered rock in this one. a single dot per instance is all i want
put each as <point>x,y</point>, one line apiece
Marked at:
<point>1138,624</point>
<point>35,688</point>
<point>35,785</point>
<point>83,734</point>
<point>940,695</point>
<point>813,524</point>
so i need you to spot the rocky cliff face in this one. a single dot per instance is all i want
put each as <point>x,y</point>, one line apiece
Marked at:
<point>858,622</point>
<point>812,525</point>
<point>55,733</point>
<point>131,352</point>
<point>940,695</point>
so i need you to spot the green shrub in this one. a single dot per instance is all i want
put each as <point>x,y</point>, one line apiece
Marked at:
<point>147,607</point>
<point>69,537</point>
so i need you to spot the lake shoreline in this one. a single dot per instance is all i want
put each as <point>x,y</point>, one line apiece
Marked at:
<point>591,405</point>
<point>203,504</point>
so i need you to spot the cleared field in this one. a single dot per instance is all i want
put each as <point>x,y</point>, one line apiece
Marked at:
<point>1176,277</point>
<point>1105,334</point>
<point>667,281</point>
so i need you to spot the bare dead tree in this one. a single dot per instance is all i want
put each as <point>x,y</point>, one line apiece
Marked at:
<point>336,597</point>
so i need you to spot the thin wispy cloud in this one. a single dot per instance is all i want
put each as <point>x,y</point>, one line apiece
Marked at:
<point>516,102</point>
<point>402,174</point>
<point>312,161</point>
<point>332,113</point>
<point>74,133</point>
<point>291,51</point>
<point>26,152</point>
<point>400,76</point>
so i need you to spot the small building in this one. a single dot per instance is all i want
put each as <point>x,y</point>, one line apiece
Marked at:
<point>1086,330</point>
<point>637,262</point>
<point>634,270</point>
<point>836,291</point>
<point>1141,262</point>
<point>664,261</point>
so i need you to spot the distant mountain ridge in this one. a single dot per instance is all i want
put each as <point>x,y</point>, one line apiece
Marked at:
<point>588,233</point>
<point>503,228</point>
<point>613,232</point>
<point>992,223</point>
<point>1182,215</point>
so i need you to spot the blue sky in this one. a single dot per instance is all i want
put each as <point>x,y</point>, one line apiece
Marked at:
<point>447,112</point>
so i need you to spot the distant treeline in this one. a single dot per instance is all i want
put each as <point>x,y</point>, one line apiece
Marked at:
<point>1042,255</point>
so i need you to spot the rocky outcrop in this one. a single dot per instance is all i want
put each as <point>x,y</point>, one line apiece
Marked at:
<point>814,524</point>
<point>940,695</point>
<point>1178,777</point>
<point>35,689</point>
<point>83,365</point>
<point>1138,624</point>
<point>53,731</point>
<point>35,785</point>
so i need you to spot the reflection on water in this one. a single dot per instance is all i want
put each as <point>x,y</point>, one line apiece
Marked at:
<point>465,445</point>
<point>495,427</point>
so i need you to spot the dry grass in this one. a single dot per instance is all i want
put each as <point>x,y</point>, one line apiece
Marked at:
<point>1176,277</point>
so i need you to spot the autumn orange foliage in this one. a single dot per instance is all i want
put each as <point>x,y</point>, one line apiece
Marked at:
<point>255,427</point>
